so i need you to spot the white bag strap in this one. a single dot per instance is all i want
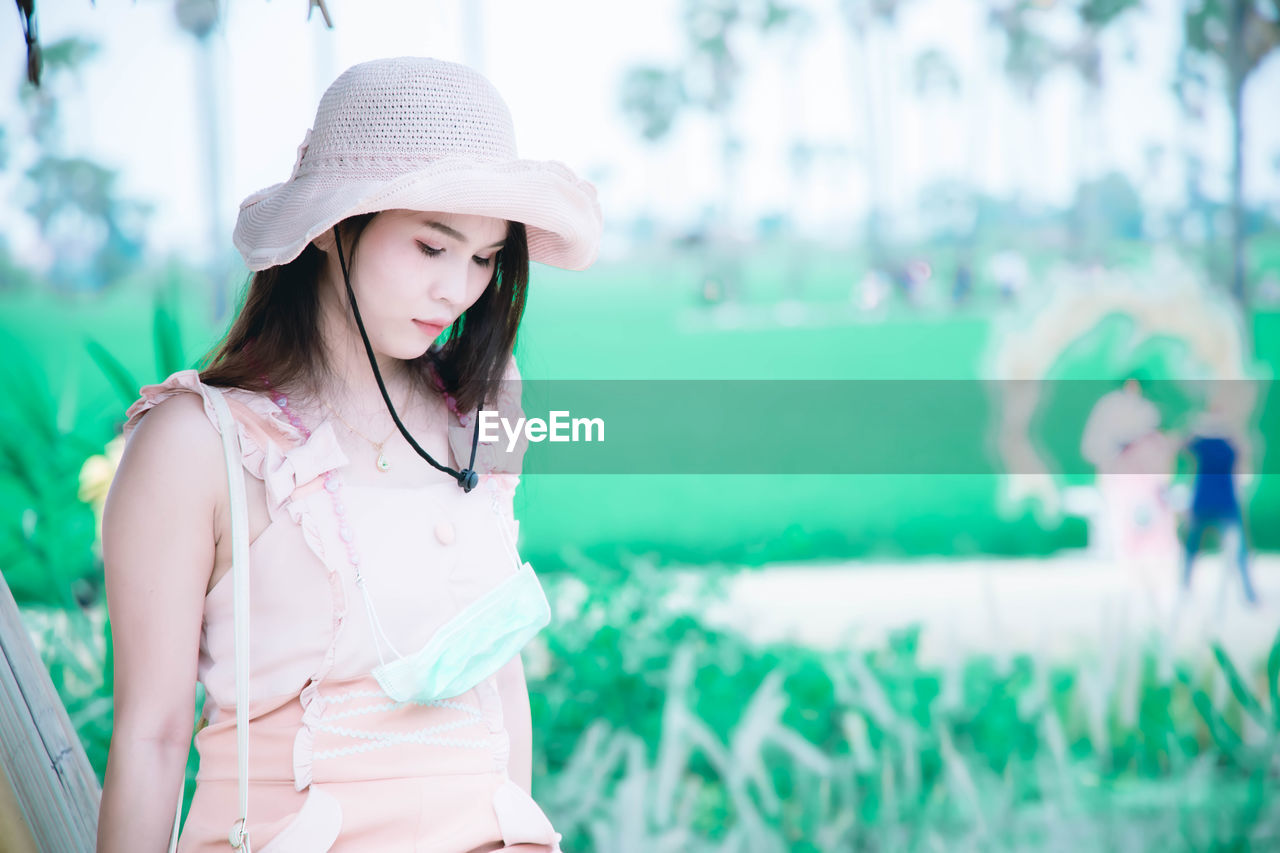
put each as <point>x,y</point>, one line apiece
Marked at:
<point>177,817</point>
<point>239,836</point>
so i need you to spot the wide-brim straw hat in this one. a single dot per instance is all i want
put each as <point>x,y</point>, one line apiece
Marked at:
<point>418,134</point>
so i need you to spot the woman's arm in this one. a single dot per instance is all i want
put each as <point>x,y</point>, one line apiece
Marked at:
<point>515,714</point>
<point>159,538</point>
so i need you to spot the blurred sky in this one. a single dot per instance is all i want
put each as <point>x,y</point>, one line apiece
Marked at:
<point>559,63</point>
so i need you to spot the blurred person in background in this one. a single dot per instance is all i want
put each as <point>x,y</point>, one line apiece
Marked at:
<point>871,291</point>
<point>1134,459</point>
<point>1216,444</point>
<point>962,284</point>
<point>1009,270</point>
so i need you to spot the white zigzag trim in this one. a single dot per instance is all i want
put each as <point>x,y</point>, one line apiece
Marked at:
<point>367,747</point>
<point>391,736</point>
<point>339,698</point>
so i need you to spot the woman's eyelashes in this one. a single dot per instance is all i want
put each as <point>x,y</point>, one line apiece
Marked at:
<point>431,252</point>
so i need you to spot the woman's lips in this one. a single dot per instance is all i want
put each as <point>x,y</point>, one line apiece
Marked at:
<point>432,329</point>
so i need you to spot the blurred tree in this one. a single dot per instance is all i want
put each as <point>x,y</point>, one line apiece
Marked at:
<point>871,23</point>
<point>712,71</point>
<point>1095,17</point>
<point>652,97</point>
<point>1111,205</point>
<point>1238,35</point>
<point>706,79</point>
<point>1084,55</point>
<point>950,216</point>
<point>935,74</point>
<point>92,233</point>
<point>27,17</point>
<point>199,18</point>
<point>1032,54</point>
<point>1029,56</point>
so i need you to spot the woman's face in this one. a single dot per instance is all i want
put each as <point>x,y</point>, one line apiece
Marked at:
<point>414,273</point>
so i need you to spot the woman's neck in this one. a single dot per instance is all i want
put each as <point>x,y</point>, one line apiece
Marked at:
<point>347,383</point>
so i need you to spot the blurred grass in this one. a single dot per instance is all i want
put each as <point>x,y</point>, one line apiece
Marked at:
<point>657,732</point>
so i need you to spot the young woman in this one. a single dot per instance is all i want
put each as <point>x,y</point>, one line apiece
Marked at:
<point>385,706</point>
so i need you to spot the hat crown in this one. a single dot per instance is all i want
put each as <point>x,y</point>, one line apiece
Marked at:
<point>408,111</point>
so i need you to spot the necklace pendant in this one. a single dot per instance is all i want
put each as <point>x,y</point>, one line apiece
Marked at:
<point>384,464</point>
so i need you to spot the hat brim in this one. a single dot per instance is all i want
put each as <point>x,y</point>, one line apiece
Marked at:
<point>560,211</point>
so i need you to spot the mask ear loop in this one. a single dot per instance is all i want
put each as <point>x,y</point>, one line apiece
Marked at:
<point>467,478</point>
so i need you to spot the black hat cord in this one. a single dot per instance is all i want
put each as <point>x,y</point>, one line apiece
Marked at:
<point>467,477</point>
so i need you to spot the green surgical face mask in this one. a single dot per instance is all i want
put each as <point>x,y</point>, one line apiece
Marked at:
<point>473,645</point>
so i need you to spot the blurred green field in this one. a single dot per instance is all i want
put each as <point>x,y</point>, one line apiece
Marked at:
<point>645,321</point>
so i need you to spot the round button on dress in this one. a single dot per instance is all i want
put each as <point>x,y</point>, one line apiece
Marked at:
<point>445,533</point>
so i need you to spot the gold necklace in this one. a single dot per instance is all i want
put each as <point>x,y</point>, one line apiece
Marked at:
<point>381,463</point>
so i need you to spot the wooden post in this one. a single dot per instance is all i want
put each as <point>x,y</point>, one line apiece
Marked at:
<point>55,789</point>
<point>14,835</point>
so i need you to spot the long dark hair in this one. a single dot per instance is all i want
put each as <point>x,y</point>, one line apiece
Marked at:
<point>274,341</point>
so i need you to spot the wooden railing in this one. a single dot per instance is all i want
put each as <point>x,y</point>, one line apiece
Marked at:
<point>49,794</point>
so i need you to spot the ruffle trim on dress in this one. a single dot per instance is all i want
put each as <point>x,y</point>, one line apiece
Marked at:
<point>304,741</point>
<point>271,448</point>
<point>189,381</point>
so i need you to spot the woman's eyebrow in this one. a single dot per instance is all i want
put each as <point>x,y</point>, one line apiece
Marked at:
<point>457,235</point>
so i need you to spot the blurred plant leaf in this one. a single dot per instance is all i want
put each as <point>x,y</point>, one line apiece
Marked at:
<point>117,374</point>
<point>168,342</point>
<point>1221,732</point>
<point>1242,693</point>
<point>1273,681</point>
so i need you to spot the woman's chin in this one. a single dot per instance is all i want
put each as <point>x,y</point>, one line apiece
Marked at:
<point>414,353</point>
<point>409,352</point>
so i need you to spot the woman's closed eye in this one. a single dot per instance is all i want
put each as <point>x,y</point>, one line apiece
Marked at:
<point>431,252</point>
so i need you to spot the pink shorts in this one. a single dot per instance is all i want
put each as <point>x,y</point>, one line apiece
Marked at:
<point>377,781</point>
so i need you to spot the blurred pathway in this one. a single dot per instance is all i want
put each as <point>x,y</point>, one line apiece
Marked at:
<point>1061,606</point>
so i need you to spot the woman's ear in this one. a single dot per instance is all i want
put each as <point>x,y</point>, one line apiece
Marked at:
<point>325,242</point>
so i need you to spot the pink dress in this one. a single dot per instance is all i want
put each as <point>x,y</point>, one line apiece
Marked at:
<point>335,764</point>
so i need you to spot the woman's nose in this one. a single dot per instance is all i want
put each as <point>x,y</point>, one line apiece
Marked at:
<point>450,283</point>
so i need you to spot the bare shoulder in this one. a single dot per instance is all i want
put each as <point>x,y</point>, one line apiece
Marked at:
<point>173,458</point>
<point>176,428</point>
